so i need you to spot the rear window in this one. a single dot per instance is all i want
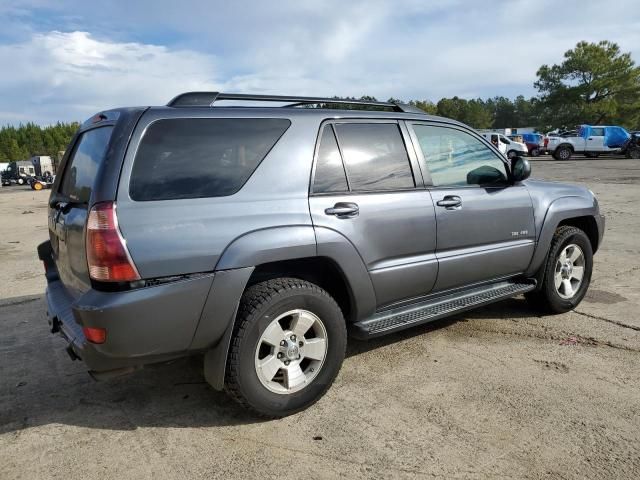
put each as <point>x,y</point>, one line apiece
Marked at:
<point>82,168</point>
<point>374,156</point>
<point>201,157</point>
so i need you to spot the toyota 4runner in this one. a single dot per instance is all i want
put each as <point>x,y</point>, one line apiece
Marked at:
<point>259,236</point>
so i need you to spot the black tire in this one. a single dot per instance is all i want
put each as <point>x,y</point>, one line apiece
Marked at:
<point>512,154</point>
<point>535,152</point>
<point>260,304</point>
<point>634,153</point>
<point>547,297</point>
<point>562,153</point>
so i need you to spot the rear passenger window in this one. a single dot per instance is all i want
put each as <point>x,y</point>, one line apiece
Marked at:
<point>329,175</point>
<point>80,173</point>
<point>374,156</point>
<point>201,157</point>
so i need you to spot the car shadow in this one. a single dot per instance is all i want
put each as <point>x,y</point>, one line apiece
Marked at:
<point>40,385</point>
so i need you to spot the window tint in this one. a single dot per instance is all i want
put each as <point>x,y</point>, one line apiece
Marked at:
<point>201,157</point>
<point>329,175</point>
<point>374,156</point>
<point>456,158</point>
<point>80,172</point>
<point>597,132</point>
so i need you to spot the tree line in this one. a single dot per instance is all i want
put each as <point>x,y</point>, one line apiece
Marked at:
<point>27,140</point>
<point>596,83</point>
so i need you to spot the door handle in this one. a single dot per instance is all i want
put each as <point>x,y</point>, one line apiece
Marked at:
<point>343,210</point>
<point>450,202</point>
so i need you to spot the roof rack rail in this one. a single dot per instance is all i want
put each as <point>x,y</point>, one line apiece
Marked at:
<point>207,99</point>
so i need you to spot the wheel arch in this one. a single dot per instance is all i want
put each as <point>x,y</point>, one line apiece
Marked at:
<point>577,211</point>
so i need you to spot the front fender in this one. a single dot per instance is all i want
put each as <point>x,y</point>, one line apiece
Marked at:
<point>560,209</point>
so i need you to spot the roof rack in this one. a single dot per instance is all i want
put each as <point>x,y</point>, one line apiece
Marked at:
<point>207,99</point>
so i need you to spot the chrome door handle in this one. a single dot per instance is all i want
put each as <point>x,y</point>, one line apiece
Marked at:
<point>450,202</point>
<point>343,210</point>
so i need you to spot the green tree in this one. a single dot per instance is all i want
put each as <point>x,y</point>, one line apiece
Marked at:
<point>596,83</point>
<point>472,112</point>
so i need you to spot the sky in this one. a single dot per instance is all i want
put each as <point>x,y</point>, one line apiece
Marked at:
<point>64,60</point>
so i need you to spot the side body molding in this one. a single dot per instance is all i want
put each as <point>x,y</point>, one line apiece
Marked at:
<point>547,221</point>
<point>335,246</point>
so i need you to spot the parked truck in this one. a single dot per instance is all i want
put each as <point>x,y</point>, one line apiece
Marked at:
<point>510,148</point>
<point>591,140</point>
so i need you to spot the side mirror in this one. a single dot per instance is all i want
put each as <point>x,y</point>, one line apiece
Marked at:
<point>485,175</point>
<point>520,169</point>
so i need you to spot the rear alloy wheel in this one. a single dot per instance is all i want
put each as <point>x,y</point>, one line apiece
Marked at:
<point>563,153</point>
<point>567,272</point>
<point>288,346</point>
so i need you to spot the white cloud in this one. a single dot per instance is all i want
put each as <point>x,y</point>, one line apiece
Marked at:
<point>405,49</point>
<point>69,76</point>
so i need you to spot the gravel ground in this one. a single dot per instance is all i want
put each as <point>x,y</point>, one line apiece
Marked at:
<point>498,392</point>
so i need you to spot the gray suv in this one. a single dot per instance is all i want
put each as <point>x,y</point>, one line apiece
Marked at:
<point>259,236</point>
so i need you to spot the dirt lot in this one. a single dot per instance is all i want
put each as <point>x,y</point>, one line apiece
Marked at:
<point>499,392</point>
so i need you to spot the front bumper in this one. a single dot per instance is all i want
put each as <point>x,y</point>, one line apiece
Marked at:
<point>144,325</point>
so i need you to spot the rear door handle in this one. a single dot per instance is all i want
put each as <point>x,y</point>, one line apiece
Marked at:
<point>343,210</point>
<point>450,202</point>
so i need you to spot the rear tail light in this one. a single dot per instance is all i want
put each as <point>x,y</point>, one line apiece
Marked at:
<point>94,334</point>
<point>107,254</point>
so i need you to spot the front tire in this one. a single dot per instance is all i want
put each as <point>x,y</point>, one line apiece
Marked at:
<point>288,345</point>
<point>567,272</point>
<point>562,153</point>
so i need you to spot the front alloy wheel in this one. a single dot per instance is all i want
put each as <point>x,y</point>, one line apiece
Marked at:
<point>569,271</point>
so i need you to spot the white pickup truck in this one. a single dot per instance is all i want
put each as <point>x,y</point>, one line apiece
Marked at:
<point>510,148</point>
<point>591,140</point>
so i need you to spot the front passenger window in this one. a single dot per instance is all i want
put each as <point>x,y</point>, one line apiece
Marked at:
<point>455,158</point>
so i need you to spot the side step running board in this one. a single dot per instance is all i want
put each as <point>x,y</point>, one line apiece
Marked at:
<point>392,320</point>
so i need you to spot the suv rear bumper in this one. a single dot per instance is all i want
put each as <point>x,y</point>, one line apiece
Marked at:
<point>144,325</point>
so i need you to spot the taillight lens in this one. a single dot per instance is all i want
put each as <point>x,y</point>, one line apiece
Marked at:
<point>107,255</point>
<point>95,334</point>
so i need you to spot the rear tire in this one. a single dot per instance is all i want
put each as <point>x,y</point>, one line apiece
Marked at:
<point>634,153</point>
<point>275,367</point>
<point>535,152</point>
<point>570,257</point>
